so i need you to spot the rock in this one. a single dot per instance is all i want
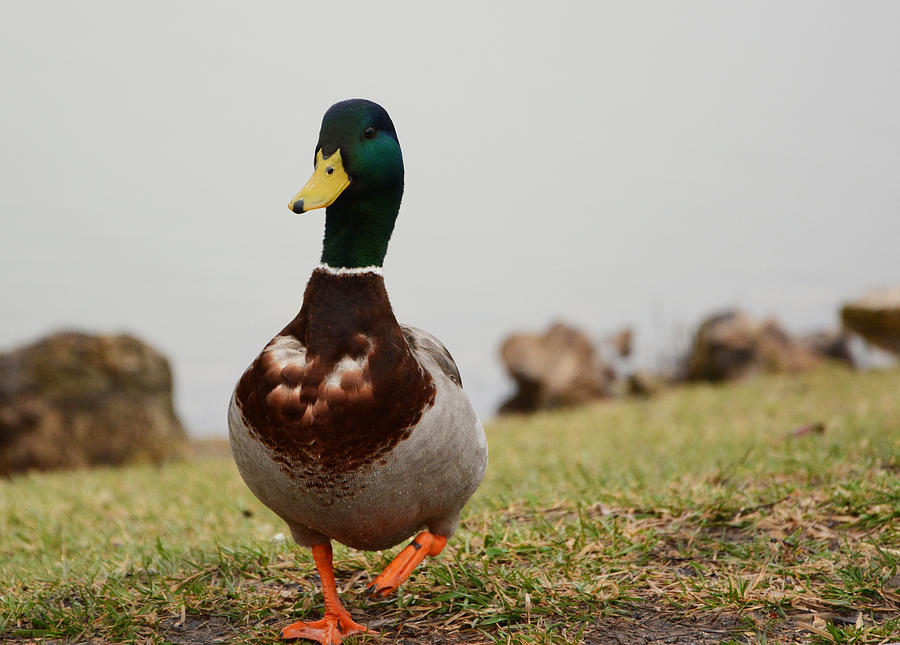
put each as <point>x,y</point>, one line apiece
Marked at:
<point>876,317</point>
<point>644,383</point>
<point>622,342</point>
<point>733,344</point>
<point>73,400</point>
<point>835,345</point>
<point>555,369</point>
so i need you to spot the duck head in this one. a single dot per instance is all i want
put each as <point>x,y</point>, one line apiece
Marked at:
<point>358,179</point>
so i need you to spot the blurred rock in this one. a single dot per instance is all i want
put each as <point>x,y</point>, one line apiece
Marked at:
<point>555,369</point>
<point>75,400</point>
<point>622,342</point>
<point>876,317</point>
<point>835,345</point>
<point>644,383</point>
<point>733,344</point>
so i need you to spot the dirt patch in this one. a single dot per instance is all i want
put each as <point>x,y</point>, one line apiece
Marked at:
<point>647,624</point>
<point>197,630</point>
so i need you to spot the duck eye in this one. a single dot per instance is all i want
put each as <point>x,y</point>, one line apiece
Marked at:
<point>329,170</point>
<point>369,133</point>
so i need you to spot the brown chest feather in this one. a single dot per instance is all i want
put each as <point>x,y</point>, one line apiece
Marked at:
<point>338,387</point>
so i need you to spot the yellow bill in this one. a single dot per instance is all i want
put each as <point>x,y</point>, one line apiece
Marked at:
<point>328,181</point>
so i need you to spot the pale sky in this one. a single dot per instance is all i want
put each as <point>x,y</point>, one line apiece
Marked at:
<point>611,164</point>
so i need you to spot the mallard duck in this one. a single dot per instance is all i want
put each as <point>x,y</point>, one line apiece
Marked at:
<point>348,425</point>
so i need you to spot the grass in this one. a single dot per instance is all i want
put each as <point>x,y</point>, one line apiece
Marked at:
<point>695,515</point>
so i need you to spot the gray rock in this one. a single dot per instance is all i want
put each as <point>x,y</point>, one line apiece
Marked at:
<point>74,400</point>
<point>645,383</point>
<point>832,344</point>
<point>622,342</point>
<point>876,317</point>
<point>555,369</point>
<point>731,345</point>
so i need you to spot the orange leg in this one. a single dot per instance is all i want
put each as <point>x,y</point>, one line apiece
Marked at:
<point>337,623</point>
<point>408,559</point>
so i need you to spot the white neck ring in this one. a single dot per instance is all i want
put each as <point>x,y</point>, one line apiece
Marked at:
<point>349,271</point>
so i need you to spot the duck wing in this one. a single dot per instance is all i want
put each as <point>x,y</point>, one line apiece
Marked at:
<point>421,342</point>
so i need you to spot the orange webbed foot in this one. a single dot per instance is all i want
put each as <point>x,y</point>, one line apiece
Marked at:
<point>337,624</point>
<point>408,559</point>
<point>330,630</point>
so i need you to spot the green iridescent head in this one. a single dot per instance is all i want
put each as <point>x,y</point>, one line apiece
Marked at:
<point>358,178</point>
